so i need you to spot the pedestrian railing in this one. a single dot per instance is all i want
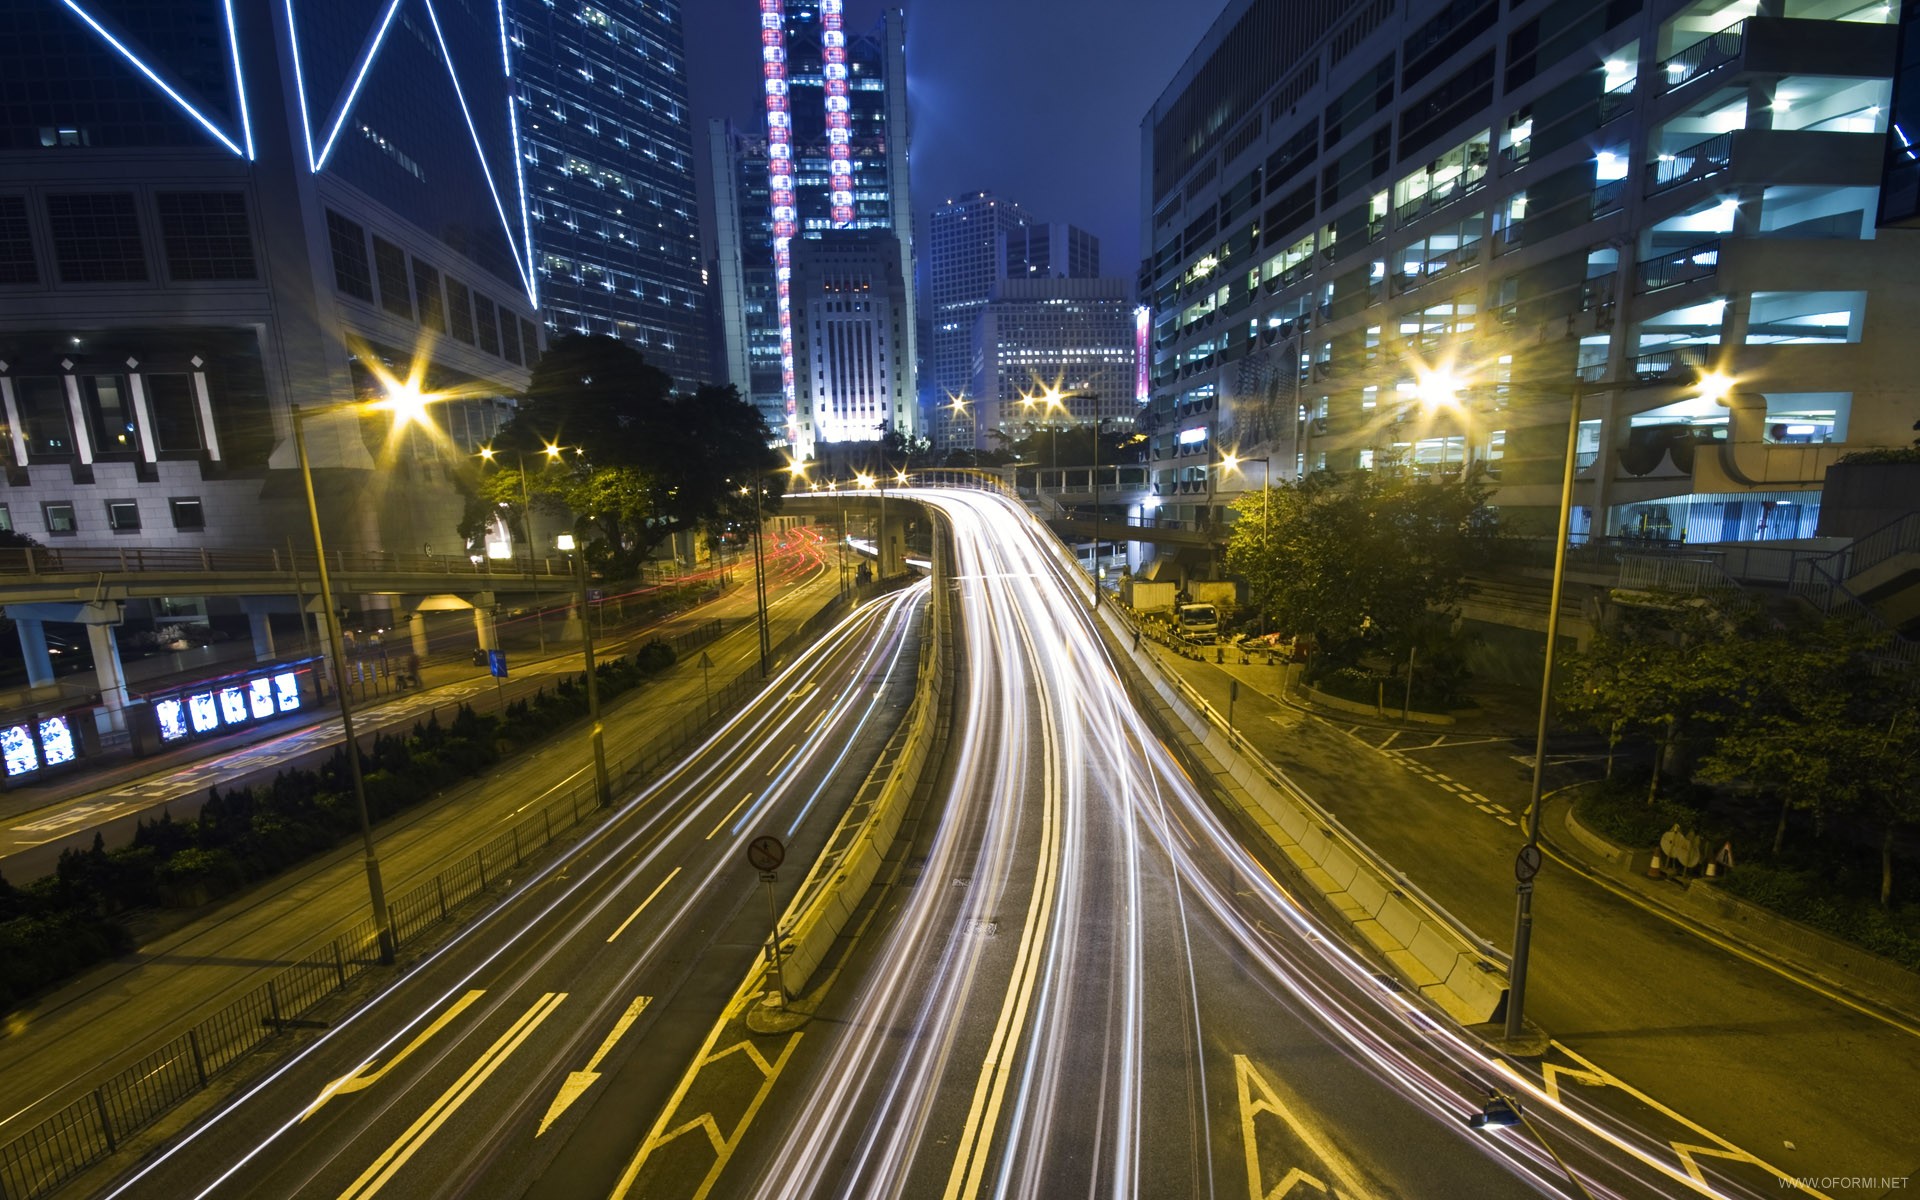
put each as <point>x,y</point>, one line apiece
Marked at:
<point>92,1126</point>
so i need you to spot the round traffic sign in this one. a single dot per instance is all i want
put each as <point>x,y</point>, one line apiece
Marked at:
<point>1526,864</point>
<point>766,853</point>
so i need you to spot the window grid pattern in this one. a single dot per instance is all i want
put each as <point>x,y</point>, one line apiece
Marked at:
<point>351,272</point>
<point>16,242</point>
<point>207,236</point>
<point>390,267</point>
<point>96,238</point>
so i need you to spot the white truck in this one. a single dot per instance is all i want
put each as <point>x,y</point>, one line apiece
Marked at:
<point>1197,623</point>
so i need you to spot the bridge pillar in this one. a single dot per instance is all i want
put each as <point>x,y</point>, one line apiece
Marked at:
<point>417,630</point>
<point>262,627</point>
<point>109,674</point>
<point>483,628</point>
<point>33,647</point>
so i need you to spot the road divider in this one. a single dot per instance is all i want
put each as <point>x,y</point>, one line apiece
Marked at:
<point>1427,948</point>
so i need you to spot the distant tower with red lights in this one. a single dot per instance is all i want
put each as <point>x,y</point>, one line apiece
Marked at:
<point>833,161</point>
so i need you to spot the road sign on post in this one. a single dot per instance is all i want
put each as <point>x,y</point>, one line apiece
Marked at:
<point>1527,863</point>
<point>765,854</point>
<point>497,663</point>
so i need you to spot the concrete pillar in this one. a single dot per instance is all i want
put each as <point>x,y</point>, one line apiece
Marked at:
<point>417,628</point>
<point>33,647</point>
<point>112,679</point>
<point>262,626</point>
<point>483,629</point>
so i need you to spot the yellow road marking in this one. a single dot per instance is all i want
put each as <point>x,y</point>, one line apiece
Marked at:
<point>579,1081</point>
<point>723,1146</point>
<point>1248,1080</point>
<point>1592,1074</point>
<point>382,1169</point>
<point>970,1163</point>
<point>729,817</point>
<point>643,904</point>
<point>783,758</point>
<point>359,1080</point>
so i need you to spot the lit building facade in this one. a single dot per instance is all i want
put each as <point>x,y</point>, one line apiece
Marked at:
<point>966,253</point>
<point>835,157</point>
<point>608,143</point>
<point>1074,336</point>
<point>1544,201</point>
<point>850,325</point>
<point>1052,250</point>
<point>262,206</point>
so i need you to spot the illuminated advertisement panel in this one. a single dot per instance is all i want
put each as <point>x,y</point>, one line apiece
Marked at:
<point>286,687</point>
<point>173,719</point>
<point>233,705</point>
<point>260,696</point>
<point>17,750</point>
<point>56,741</point>
<point>201,710</point>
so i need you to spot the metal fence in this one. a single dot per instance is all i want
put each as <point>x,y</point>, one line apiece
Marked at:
<point>91,1127</point>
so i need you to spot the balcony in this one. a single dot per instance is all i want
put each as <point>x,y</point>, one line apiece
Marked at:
<point>1701,160</point>
<point>1597,293</point>
<point>1704,57</point>
<point>1678,266</point>
<point>1609,197</point>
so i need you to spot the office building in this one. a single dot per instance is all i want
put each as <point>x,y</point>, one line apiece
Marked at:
<point>211,215</point>
<point>966,253</point>
<point>609,157</point>
<point>1546,201</point>
<point>835,157</point>
<point>1033,336</point>
<point>1053,250</point>
<point>850,340</point>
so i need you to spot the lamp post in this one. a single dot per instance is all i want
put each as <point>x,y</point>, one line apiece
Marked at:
<point>567,542</point>
<point>553,453</point>
<point>1233,463</point>
<point>797,470</point>
<point>376,891</point>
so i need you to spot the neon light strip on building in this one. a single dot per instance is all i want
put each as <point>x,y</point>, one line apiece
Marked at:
<point>833,55</point>
<point>1142,328</point>
<point>773,67</point>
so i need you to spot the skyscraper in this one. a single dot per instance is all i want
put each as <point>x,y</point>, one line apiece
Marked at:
<point>1049,251</point>
<point>1074,335</point>
<point>836,161</point>
<point>609,151</point>
<point>966,251</point>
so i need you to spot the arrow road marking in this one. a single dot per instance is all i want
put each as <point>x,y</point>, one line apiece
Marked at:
<point>382,1169</point>
<point>579,1081</point>
<point>1250,1081</point>
<point>360,1080</point>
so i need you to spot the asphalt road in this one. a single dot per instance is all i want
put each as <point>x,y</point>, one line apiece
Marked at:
<point>113,1014</point>
<point>518,1058</point>
<point>1716,1045</point>
<point>1077,982</point>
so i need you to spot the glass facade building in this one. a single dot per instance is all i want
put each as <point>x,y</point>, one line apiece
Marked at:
<point>608,144</point>
<point>834,161</point>
<point>1537,200</point>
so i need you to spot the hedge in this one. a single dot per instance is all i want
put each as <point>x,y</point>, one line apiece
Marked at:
<point>54,928</point>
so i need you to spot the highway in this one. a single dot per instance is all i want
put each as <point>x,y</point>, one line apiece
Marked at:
<point>498,1060</point>
<point>1079,982</point>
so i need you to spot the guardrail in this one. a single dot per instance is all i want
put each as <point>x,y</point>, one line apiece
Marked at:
<point>92,560</point>
<point>87,1129</point>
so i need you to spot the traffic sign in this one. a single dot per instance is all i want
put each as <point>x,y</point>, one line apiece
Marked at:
<point>705,661</point>
<point>766,853</point>
<point>1526,864</point>
<point>497,663</point>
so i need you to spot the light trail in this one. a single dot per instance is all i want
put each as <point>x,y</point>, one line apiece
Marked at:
<point>649,832</point>
<point>1045,731</point>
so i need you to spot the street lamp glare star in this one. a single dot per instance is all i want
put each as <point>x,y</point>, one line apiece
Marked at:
<point>1715,386</point>
<point>1439,388</point>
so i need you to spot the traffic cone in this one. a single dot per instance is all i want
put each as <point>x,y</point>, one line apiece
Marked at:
<point>1654,869</point>
<point>1713,869</point>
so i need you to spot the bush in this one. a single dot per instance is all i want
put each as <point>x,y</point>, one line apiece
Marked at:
<point>1805,897</point>
<point>1617,808</point>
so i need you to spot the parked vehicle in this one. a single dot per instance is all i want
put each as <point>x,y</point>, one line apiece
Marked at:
<point>1197,623</point>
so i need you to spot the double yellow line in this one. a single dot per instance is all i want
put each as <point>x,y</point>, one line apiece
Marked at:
<point>382,1170</point>
<point>976,1139</point>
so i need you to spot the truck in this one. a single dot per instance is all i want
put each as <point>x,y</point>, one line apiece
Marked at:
<point>1197,623</point>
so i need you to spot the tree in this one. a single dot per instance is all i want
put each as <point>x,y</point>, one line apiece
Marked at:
<point>1360,559</point>
<point>640,462</point>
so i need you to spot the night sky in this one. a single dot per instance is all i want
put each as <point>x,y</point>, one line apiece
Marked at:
<point>1037,100</point>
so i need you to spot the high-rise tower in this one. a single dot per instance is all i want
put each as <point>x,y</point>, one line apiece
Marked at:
<point>609,150</point>
<point>835,159</point>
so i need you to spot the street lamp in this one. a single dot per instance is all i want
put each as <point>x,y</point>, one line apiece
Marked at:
<point>797,470</point>
<point>407,405</point>
<point>567,543</point>
<point>1233,462</point>
<point>1710,385</point>
<point>553,453</point>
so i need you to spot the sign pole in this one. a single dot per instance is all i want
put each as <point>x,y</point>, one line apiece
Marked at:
<point>765,854</point>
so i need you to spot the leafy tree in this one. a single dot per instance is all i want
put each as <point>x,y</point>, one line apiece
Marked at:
<point>1358,559</point>
<point>638,462</point>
